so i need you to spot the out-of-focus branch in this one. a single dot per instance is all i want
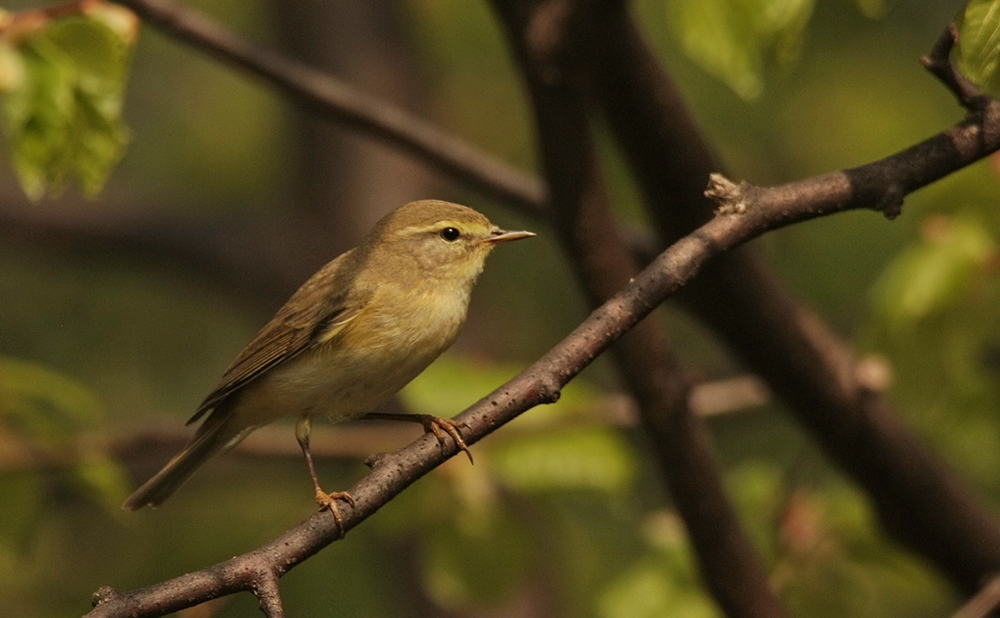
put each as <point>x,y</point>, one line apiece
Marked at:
<point>218,251</point>
<point>336,100</point>
<point>150,446</point>
<point>548,46</point>
<point>918,499</point>
<point>984,601</point>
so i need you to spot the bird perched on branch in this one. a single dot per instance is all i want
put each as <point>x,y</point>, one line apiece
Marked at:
<point>349,339</point>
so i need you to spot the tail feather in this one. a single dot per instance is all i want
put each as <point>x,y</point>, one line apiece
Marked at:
<point>213,437</point>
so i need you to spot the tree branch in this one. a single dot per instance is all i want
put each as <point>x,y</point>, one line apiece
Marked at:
<point>798,355</point>
<point>336,100</point>
<point>549,46</point>
<point>940,64</point>
<point>265,588</point>
<point>540,383</point>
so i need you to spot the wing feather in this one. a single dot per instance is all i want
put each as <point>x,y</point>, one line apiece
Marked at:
<point>313,316</point>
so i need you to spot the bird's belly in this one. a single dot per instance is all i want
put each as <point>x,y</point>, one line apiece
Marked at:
<point>337,385</point>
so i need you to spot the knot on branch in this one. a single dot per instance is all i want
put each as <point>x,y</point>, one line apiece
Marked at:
<point>103,595</point>
<point>548,390</point>
<point>891,204</point>
<point>731,198</point>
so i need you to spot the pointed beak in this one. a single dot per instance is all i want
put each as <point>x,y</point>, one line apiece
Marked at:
<point>499,236</point>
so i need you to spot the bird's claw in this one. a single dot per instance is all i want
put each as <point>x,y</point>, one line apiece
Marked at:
<point>329,501</point>
<point>441,426</point>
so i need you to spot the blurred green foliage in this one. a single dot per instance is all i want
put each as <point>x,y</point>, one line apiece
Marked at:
<point>41,414</point>
<point>563,513</point>
<point>62,83</point>
<point>736,39</point>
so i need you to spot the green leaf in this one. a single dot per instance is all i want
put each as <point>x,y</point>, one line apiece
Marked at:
<point>978,51</point>
<point>592,459</point>
<point>927,278</point>
<point>736,39</point>
<point>44,403</point>
<point>104,480</point>
<point>45,411</point>
<point>466,564</point>
<point>650,590</point>
<point>63,115</point>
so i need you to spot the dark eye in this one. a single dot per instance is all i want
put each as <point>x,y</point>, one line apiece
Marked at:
<point>450,234</point>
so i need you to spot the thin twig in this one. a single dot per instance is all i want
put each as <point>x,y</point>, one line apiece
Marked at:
<point>940,63</point>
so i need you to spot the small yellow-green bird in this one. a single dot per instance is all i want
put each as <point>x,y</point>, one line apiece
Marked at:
<point>349,339</point>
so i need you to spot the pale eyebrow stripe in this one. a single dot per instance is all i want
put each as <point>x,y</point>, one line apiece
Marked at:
<point>433,227</point>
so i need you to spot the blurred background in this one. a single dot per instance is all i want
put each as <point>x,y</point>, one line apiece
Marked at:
<point>118,315</point>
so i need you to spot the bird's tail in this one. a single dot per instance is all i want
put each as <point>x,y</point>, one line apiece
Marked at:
<point>214,436</point>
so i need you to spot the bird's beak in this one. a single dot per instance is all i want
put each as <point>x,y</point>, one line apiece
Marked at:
<point>498,236</point>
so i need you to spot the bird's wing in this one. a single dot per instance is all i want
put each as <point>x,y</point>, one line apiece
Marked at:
<point>310,318</point>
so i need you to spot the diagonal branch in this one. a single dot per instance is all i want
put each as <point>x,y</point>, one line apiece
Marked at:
<point>538,384</point>
<point>790,347</point>
<point>334,99</point>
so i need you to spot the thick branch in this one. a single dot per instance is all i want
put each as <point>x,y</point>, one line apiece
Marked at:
<point>336,100</point>
<point>918,499</point>
<point>547,42</point>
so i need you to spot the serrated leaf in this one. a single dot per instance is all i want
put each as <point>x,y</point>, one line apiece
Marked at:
<point>978,51</point>
<point>591,459</point>
<point>929,277</point>
<point>735,39</point>
<point>64,120</point>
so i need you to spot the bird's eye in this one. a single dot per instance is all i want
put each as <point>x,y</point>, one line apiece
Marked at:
<point>450,234</point>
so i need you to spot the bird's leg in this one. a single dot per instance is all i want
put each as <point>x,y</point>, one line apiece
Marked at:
<point>433,424</point>
<point>324,500</point>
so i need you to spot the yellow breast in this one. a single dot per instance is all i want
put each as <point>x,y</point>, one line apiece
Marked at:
<point>374,357</point>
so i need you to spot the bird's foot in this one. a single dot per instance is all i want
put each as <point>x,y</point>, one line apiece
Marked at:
<point>441,426</point>
<point>432,424</point>
<point>329,501</point>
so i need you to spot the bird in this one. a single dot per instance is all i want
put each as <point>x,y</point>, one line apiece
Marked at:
<point>349,339</point>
